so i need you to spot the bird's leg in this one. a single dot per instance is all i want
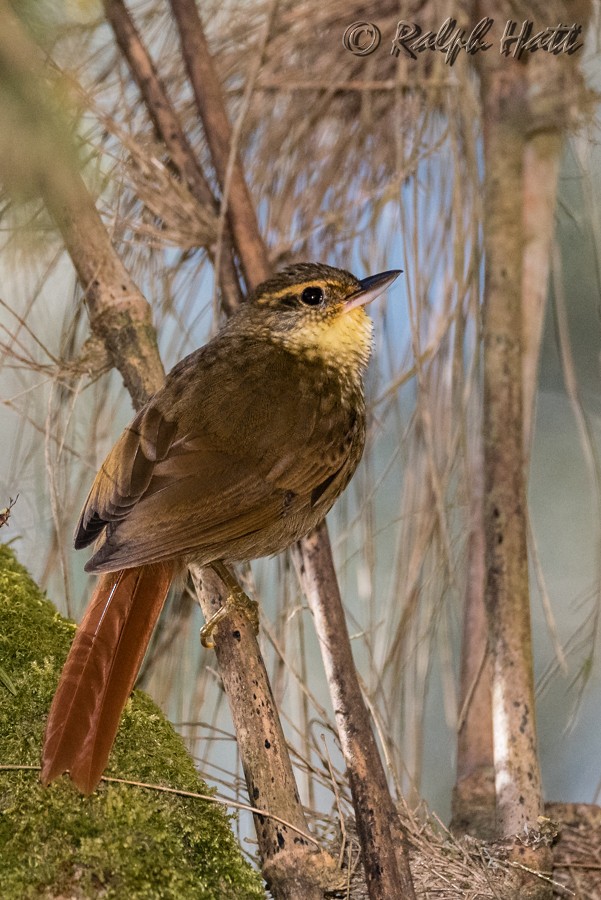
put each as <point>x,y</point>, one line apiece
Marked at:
<point>236,600</point>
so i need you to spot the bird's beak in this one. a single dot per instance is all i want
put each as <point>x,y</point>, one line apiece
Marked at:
<point>371,288</point>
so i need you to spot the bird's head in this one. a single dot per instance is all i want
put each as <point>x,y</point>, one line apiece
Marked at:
<point>318,312</point>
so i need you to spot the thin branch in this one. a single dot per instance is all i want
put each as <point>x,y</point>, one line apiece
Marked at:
<point>387,872</point>
<point>211,108</point>
<point>169,128</point>
<point>290,864</point>
<point>119,313</point>
<point>178,792</point>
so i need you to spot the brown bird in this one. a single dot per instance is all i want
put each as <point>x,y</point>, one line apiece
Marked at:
<point>241,453</point>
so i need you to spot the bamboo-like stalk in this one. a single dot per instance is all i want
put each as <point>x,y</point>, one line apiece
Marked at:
<point>473,798</point>
<point>474,792</point>
<point>525,109</point>
<point>517,772</point>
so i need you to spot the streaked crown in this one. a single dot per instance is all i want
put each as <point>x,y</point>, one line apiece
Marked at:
<point>303,308</point>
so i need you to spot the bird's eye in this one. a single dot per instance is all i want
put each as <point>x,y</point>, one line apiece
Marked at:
<point>312,296</point>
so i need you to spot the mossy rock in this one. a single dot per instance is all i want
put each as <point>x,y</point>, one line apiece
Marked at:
<point>123,841</point>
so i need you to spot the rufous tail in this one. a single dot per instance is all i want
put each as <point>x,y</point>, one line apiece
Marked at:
<point>100,672</point>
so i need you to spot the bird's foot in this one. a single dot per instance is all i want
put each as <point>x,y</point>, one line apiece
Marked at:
<point>236,601</point>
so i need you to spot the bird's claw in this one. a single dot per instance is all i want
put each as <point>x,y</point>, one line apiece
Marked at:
<point>237,601</point>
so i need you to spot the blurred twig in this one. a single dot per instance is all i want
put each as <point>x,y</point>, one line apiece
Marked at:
<point>211,109</point>
<point>168,127</point>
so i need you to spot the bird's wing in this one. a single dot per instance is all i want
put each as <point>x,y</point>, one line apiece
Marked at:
<point>219,475</point>
<point>126,473</point>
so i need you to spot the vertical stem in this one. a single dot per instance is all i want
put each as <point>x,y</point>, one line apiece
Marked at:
<point>526,104</point>
<point>211,107</point>
<point>294,867</point>
<point>383,847</point>
<point>541,172</point>
<point>517,774</point>
<point>474,793</point>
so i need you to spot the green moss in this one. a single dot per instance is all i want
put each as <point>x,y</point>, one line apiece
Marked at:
<point>123,841</point>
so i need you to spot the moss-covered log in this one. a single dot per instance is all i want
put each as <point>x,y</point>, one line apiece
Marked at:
<point>123,841</point>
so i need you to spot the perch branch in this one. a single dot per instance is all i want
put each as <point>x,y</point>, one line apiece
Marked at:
<point>294,868</point>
